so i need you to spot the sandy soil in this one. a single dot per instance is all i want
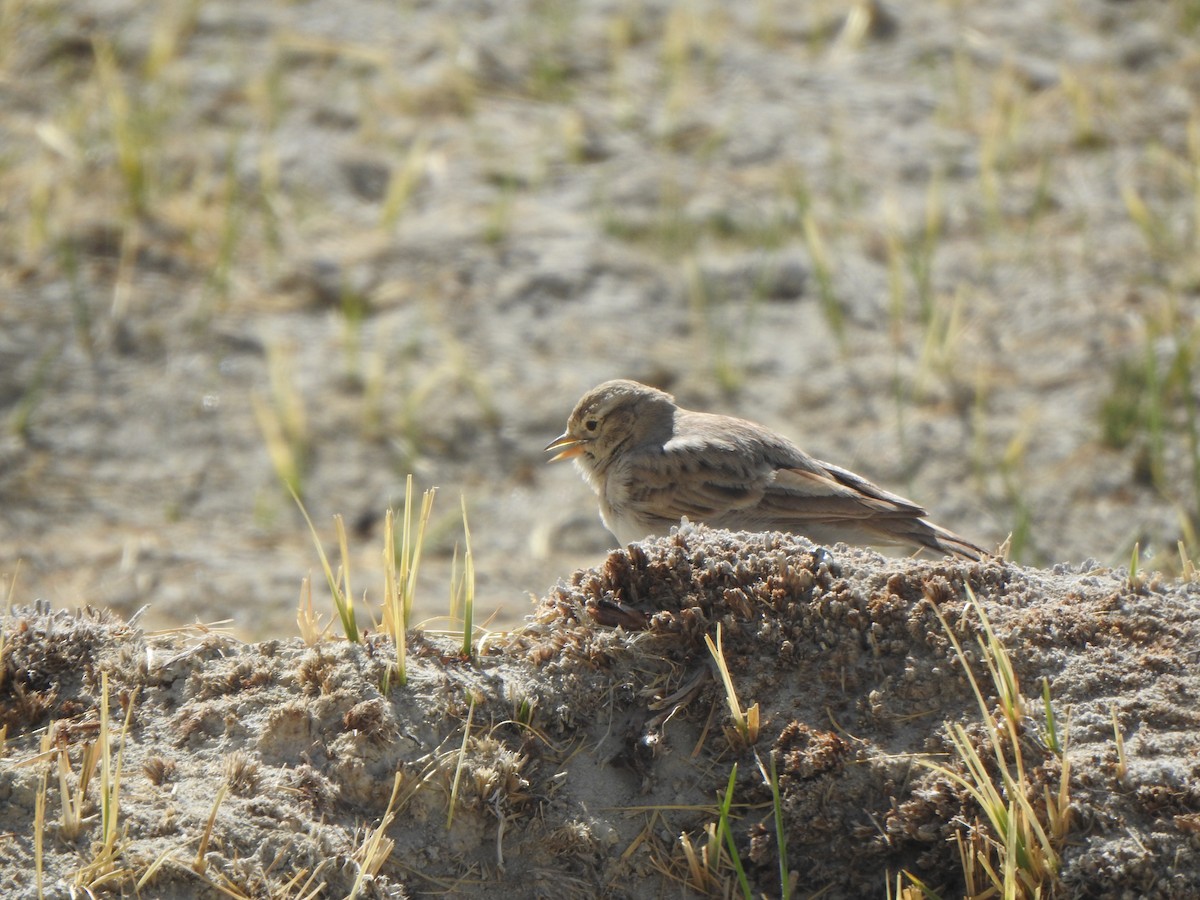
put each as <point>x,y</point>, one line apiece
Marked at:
<point>934,245</point>
<point>583,752</point>
<point>950,246</point>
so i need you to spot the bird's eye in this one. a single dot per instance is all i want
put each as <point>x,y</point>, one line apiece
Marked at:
<point>591,424</point>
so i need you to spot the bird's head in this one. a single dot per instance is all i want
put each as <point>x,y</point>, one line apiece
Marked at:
<point>610,416</point>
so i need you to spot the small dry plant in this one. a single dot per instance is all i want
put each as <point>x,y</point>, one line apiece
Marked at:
<point>198,862</point>
<point>339,583</point>
<point>463,589</point>
<point>73,801</point>
<point>745,724</point>
<point>377,846</point>
<point>1020,859</point>
<point>458,768</point>
<point>401,564</point>
<point>308,620</point>
<point>105,865</point>
<point>400,567</point>
<point>1138,577</point>
<point>1187,568</point>
<point>909,887</point>
<point>712,866</point>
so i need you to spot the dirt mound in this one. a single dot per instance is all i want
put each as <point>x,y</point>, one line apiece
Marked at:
<point>588,753</point>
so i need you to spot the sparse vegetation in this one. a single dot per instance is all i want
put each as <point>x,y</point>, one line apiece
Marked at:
<point>1151,411</point>
<point>1029,819</point>
<point>329,250</point>
<point>106,864</point>
<point>339,583</point>
<point>720,851</point>
<point>470,747</point>
<point>402,563</point>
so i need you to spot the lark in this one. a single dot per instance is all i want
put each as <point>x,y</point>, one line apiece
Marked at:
<point>651,463</point>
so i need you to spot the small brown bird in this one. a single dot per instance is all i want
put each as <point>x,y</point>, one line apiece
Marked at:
<point>651,463</point>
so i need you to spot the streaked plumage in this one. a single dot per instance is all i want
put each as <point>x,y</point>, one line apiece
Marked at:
<point>652,462</point>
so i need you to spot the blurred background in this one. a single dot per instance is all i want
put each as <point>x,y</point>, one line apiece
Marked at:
<point>953,246</point>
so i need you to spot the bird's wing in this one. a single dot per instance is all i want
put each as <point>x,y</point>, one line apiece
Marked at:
<point>818,496</point>
<point>819,490</point>
<point>748,478</point>
<point>681,481</point>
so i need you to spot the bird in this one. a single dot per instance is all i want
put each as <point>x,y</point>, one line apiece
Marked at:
<point>652,463</point>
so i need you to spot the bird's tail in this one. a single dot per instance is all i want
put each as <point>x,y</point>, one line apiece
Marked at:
<point>928,536</point>
<point>945,541</point>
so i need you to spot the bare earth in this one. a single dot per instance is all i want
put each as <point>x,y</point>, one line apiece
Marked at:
<point>382,241</point>
<point>952,246</point>
<point>582,752</point>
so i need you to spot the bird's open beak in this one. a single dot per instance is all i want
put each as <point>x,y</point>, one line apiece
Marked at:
<point>571,447</point>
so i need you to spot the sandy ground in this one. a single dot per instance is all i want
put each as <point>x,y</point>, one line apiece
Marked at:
<point>952,247</point>
<point>580,755</point>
